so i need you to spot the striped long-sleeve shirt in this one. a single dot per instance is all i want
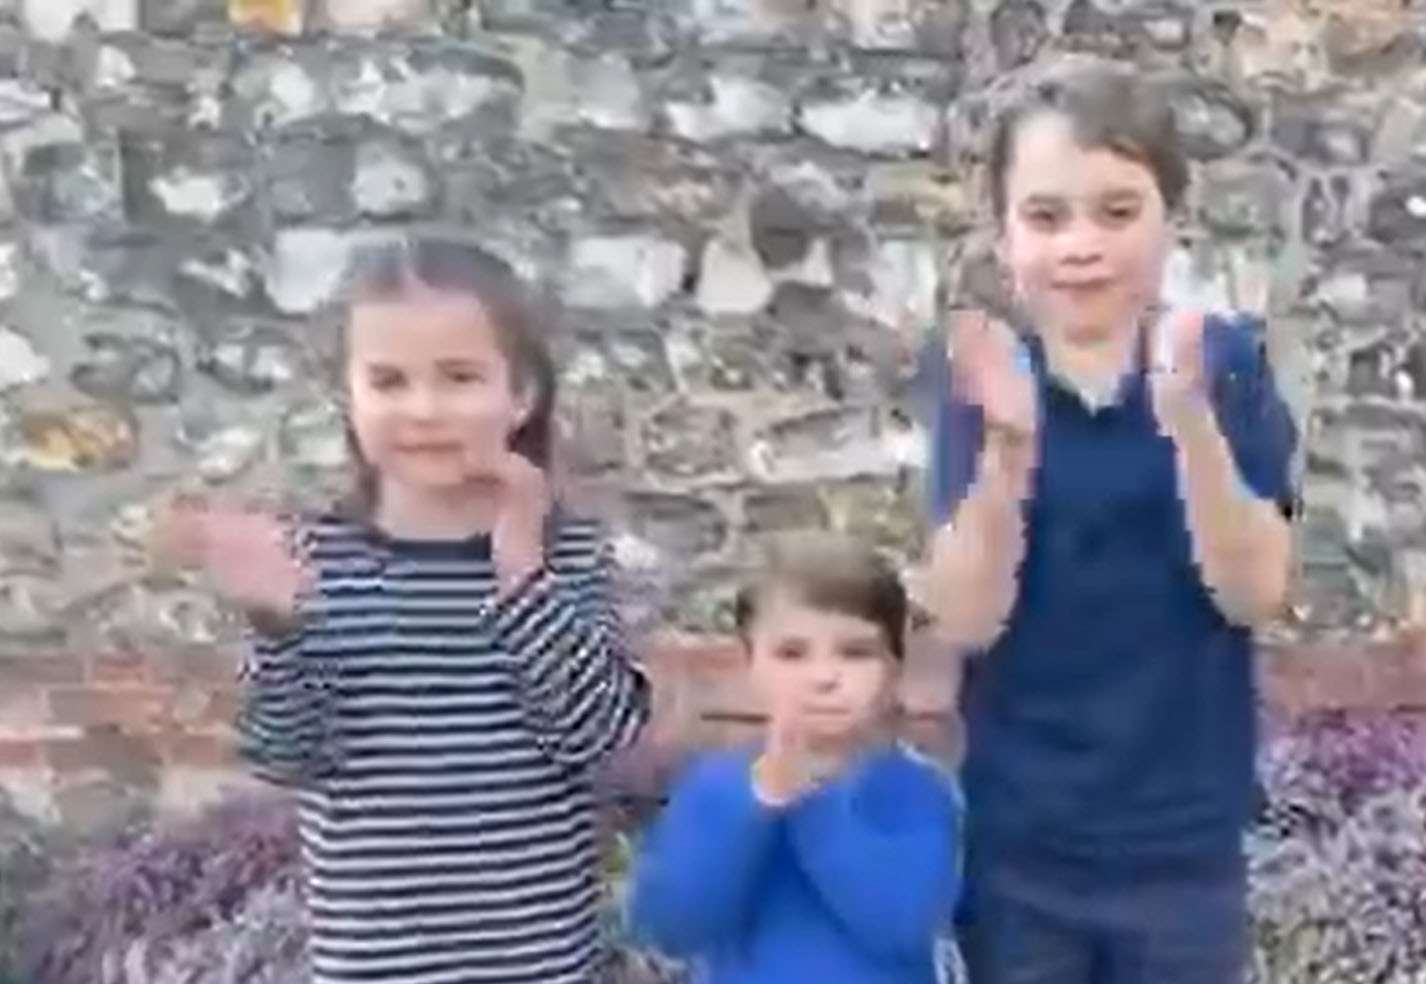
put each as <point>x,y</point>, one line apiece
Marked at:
<point>441,742</point>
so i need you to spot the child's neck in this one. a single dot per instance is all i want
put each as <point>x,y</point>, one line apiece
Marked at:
<point>1092,362</point>
<point>416,514</point>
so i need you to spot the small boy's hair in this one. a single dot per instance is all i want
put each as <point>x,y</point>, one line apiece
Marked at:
<point>832,572</point>
<point>1108,105</point>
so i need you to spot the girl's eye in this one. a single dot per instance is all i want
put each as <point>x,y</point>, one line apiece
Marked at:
<point>382,382</point>
<point>465,374</point>
<point>1042,218</point>
<point>860,652</point>
<point>789,652</point>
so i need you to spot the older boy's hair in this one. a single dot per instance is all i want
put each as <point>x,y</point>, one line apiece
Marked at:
<point>829,571</point>
<point>1109,105</point>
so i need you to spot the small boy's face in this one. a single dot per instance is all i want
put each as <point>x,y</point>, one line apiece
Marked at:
<point>830,674</point>
<point>1085,233</point>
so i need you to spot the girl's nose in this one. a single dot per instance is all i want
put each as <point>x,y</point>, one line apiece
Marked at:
<point>421,402</point>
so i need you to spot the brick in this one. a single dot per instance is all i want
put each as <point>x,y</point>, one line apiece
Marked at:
<point>21,753</point>
<point>134,708</point>
<point>133,758</point>
<point>202,750</point>
<point>45,667</point>
<point>23,708</point>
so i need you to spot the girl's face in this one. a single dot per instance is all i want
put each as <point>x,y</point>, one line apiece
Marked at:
<point>832,673</point>
<point>433,401</point>
<point>1085,233</point>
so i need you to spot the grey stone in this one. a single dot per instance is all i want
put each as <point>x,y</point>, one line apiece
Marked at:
<point>608,94</point>
<point>29,540</point>
<point>594,421</point>
<point>1018,30</point>
<point>228,453</point>
<point>313,435</point>
<point>880,510</point>
<point>181,17</point>
<point>1213,122</point>
<point>1245,201</point>
<point>113,68</point>
<point>305,268</point>
<point>640,359</point>
<point>1167,27</point>
<point>736,106</point>
<point>683,441</point>
<point>205,196</point>
<point>732,279</point>
<point>251,359</point>
<point>1087,27</point>
<point>423,92</point>
<point>391,181</point>
<point>1397,212</point>
<point>884,124</point>
<point>747,21</point>
<point>929,26</point>
<point>30,610</point>
<point>779,510</point>
<point>21,101</point>
<point>823,445</point>
<point>53,20</point>
<point>20,362</point>
<point>273,92</point>
<point>681,526</point>
<point>58,178</point>
<point>623,271</point>
<point>230,272</point>
<point>375,15</point>
<point>128,369</point>
<point>1316,130</point>
<point>1324,218</point>
<point>312,179</point>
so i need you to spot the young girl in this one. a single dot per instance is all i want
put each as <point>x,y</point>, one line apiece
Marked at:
<point>829,854</point>
<point>438,666</point>
<point>1111,495</point>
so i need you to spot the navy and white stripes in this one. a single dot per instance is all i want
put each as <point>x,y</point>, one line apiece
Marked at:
<point>441,744</point>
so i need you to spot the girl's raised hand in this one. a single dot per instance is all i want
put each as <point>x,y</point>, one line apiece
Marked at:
<point>518,534</point>
<point>247,555</point>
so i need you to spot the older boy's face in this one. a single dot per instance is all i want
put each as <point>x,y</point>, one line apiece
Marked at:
<point>1085,233</point>
<point>831,675</point>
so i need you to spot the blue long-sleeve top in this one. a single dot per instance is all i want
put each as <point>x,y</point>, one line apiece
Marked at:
<point>849,885</point>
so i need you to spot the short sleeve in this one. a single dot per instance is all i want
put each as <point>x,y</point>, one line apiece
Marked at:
<point>955,432</point>
<point>1251,411</point>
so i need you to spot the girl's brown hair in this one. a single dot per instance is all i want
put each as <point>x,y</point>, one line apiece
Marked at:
<point>1108,104</point>
<point>394,268</point>
<point>833,572</point>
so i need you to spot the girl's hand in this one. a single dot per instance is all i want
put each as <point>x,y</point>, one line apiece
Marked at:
<point>1177,373</point>
<point>990,367</point>
<point>518,535</point>
<point>245,554</point>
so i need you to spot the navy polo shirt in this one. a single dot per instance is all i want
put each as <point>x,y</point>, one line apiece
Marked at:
<point>1113,721</point>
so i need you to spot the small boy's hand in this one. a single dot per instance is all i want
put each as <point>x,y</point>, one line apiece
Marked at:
<point>246,555</point>
<point>787,770</point>
<point>518,535</point>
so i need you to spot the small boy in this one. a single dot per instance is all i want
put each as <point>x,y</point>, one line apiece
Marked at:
<point>828,854</point>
